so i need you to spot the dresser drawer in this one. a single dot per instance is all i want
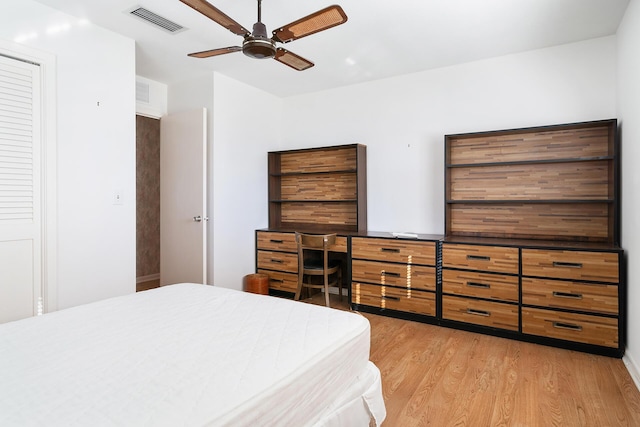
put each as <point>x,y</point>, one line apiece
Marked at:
<point>485,313</point>
<point>275,241</point>
<point>602,331</point>
<point>286,242</point>
<point>481,285</point>
<point>570,295</point>
<point>280,261</point>
<point>280,281</point>
<point>386,297</point>
<point>575,265</point>
<point>394,250</point>
<point>402,275</point>
<point>484,258</point>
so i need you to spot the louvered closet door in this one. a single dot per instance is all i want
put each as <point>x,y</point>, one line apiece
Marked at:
<point>20,190</point>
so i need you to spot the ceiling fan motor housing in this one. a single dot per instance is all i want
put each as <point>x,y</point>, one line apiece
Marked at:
<point>258,45</point>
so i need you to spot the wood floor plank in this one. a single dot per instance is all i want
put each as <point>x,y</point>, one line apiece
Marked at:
<point>628,390</point>
<point>508,389</point>
<point>423,406</point>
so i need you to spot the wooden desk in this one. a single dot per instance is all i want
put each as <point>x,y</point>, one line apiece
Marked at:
<point>277,256</point>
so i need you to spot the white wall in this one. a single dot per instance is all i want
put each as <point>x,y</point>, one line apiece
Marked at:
<point>403,120</point>
<point>629,114</point>
<point>244,124</point>
<point>192,94</point>
<point>96,148</point>
<point>247,124</point>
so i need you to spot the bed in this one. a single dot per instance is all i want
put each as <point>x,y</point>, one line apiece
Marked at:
<point>190,355</point>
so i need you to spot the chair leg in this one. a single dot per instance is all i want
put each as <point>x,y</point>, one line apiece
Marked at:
<point>326,289</point>
<point>299,290</point>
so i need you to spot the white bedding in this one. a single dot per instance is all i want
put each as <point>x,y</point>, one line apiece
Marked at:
<point>190,355</point>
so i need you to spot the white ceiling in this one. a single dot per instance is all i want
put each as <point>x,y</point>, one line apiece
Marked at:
<point>380,39</point>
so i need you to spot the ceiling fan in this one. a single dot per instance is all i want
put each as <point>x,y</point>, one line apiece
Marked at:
<point>256,44</point>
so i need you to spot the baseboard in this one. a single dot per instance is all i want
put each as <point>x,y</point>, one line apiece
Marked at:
<point>148,278</point>
<point>632,367</point>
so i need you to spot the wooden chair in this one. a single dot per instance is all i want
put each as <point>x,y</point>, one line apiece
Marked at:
<point>314,262</point>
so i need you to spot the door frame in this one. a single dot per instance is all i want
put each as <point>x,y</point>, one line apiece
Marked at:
<point>48,114</point>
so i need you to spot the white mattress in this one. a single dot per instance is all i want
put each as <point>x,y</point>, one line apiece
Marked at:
<point>189,355</point>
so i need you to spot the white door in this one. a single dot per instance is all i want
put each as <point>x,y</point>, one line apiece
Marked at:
<point>20,190</point>
<point>183,197</point>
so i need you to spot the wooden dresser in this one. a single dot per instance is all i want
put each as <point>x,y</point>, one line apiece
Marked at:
<point>555,293</point>
<point>573,295</point>
<point>480,285</point>
<point>399,275</point>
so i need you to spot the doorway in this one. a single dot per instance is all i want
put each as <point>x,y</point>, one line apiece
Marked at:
<point>147,203</point>
<point>171,166</point>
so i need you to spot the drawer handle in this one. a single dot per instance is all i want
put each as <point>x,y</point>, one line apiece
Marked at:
<point>478,285</point>
<point>277,261</point>
<point>394,250</point>
<point>277,280</point>
<point>390,298</point>
<point>567,295</point>
<point>567,264</point>
<point>276,241</point>
<point>478,312</point>
<point>570,326</point>
<point>479,258</point>
<point>390,274</point>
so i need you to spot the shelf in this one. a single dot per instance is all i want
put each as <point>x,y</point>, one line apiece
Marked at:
<point>529,201</point>
<point>306,227</point>
<point>345,171</point>
<point>315,201</point>
<point>532,243</point>
<point>530,162</point>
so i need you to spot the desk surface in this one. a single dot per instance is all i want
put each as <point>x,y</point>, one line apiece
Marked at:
<point>380,234</point>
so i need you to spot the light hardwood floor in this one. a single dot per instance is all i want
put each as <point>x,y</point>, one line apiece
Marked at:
<point>435,376</point>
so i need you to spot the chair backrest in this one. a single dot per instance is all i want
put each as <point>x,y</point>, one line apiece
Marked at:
<point>317,242</point>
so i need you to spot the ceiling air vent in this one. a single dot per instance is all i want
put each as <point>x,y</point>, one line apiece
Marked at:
<point>156,20</point>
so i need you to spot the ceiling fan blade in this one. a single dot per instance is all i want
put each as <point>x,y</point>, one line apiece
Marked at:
<point>215,14</point>
<point>215,52</point>
<point>294,61</point>
<point>314,23</point>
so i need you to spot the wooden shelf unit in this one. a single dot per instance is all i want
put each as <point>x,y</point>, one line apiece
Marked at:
<point>550,183</point>
<point>318,189</point>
